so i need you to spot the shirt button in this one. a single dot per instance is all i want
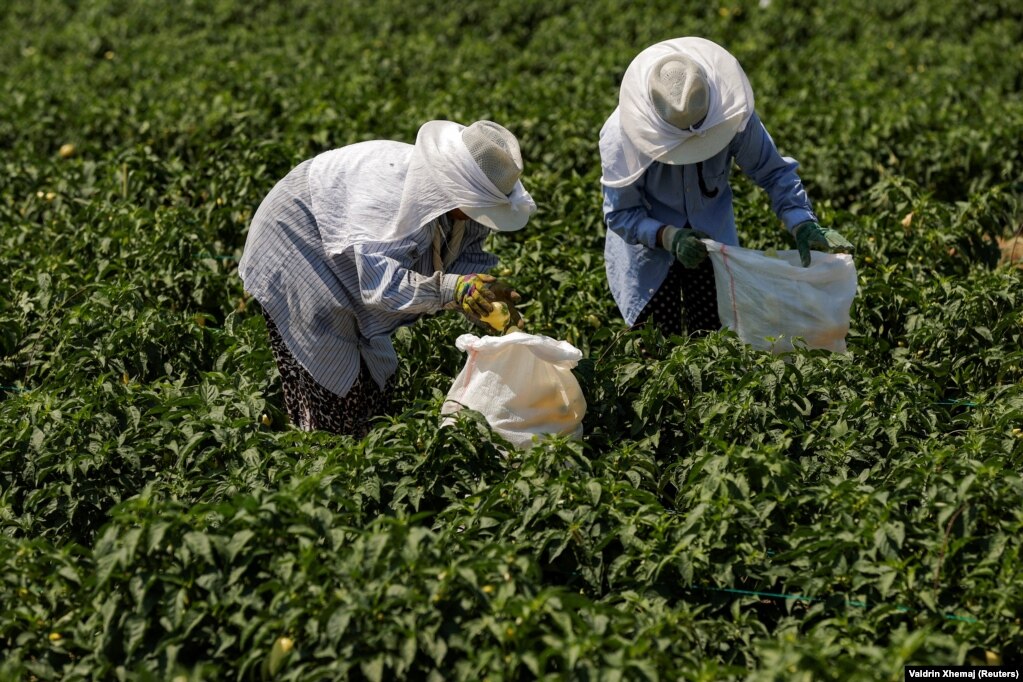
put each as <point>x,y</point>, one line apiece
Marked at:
<point>650,291</point>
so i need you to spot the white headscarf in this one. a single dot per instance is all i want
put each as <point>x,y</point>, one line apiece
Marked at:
<point>382,191</point>
<point>634,136</point>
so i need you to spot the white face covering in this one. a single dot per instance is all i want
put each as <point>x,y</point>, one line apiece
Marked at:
<point>383,191</point>
<point>634,136</point>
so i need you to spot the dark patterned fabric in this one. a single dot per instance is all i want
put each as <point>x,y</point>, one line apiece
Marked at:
<point>311,407</point>
<point>688,294</point>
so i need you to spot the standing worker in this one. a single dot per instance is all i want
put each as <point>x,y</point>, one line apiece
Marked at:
<point>358,241</point>
<point>685,112</point>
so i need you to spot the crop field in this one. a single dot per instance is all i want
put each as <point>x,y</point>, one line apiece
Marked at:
<point>728,514</point>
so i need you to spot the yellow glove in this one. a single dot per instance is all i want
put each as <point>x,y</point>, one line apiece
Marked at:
<point>473,295</point>
<point>487,302</point>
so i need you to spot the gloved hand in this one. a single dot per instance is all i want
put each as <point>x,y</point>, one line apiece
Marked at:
<point>475,294</point>
<point>503,292</point>
<point>503,319</point>
<point>685,245</point>
<point>810,235</point>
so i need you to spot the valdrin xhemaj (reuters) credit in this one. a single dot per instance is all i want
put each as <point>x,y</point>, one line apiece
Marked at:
<point>962,672</point>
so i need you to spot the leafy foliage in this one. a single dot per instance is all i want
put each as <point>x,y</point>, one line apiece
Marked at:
<point>728,515</point>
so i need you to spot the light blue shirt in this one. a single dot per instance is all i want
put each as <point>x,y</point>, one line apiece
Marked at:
<point>335,311</point>
<point>693,195</point>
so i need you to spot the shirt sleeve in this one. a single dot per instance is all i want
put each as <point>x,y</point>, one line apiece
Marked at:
<point>473,258</point>
<point>625,213</point>
<point>386,284</point>
<point>757,156</point>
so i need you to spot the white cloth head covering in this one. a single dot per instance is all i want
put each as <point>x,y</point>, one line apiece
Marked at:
<point>383,191</point>
<point>635,135</point>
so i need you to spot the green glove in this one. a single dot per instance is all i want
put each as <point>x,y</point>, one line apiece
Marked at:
<point>684,244</point>
<point>810,235</point>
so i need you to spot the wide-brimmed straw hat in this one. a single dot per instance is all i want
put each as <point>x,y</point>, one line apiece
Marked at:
<point>496,151</point>
<point>680,93</point>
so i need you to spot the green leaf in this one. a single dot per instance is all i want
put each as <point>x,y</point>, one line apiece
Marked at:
<point>199,543</point>
<point>238,542</point>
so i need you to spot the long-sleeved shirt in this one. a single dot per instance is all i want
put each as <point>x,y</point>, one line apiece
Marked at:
<point>693,195</point>
<point>335,311</point>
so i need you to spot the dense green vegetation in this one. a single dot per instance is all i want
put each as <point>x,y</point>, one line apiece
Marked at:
<point>159,520</point>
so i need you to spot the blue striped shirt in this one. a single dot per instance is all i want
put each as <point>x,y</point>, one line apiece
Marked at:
<point>335,311</point>
<point>697,195</point>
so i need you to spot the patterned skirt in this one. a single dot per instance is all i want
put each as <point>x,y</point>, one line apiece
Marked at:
<point>688,293</point>
<point>311,407</point>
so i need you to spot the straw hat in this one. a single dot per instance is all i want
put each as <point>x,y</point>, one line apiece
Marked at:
<point>496,151</point>
<point>681,92</point>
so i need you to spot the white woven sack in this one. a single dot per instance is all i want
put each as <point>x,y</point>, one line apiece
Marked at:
<point>763,296</point>
<point>522,383</point>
